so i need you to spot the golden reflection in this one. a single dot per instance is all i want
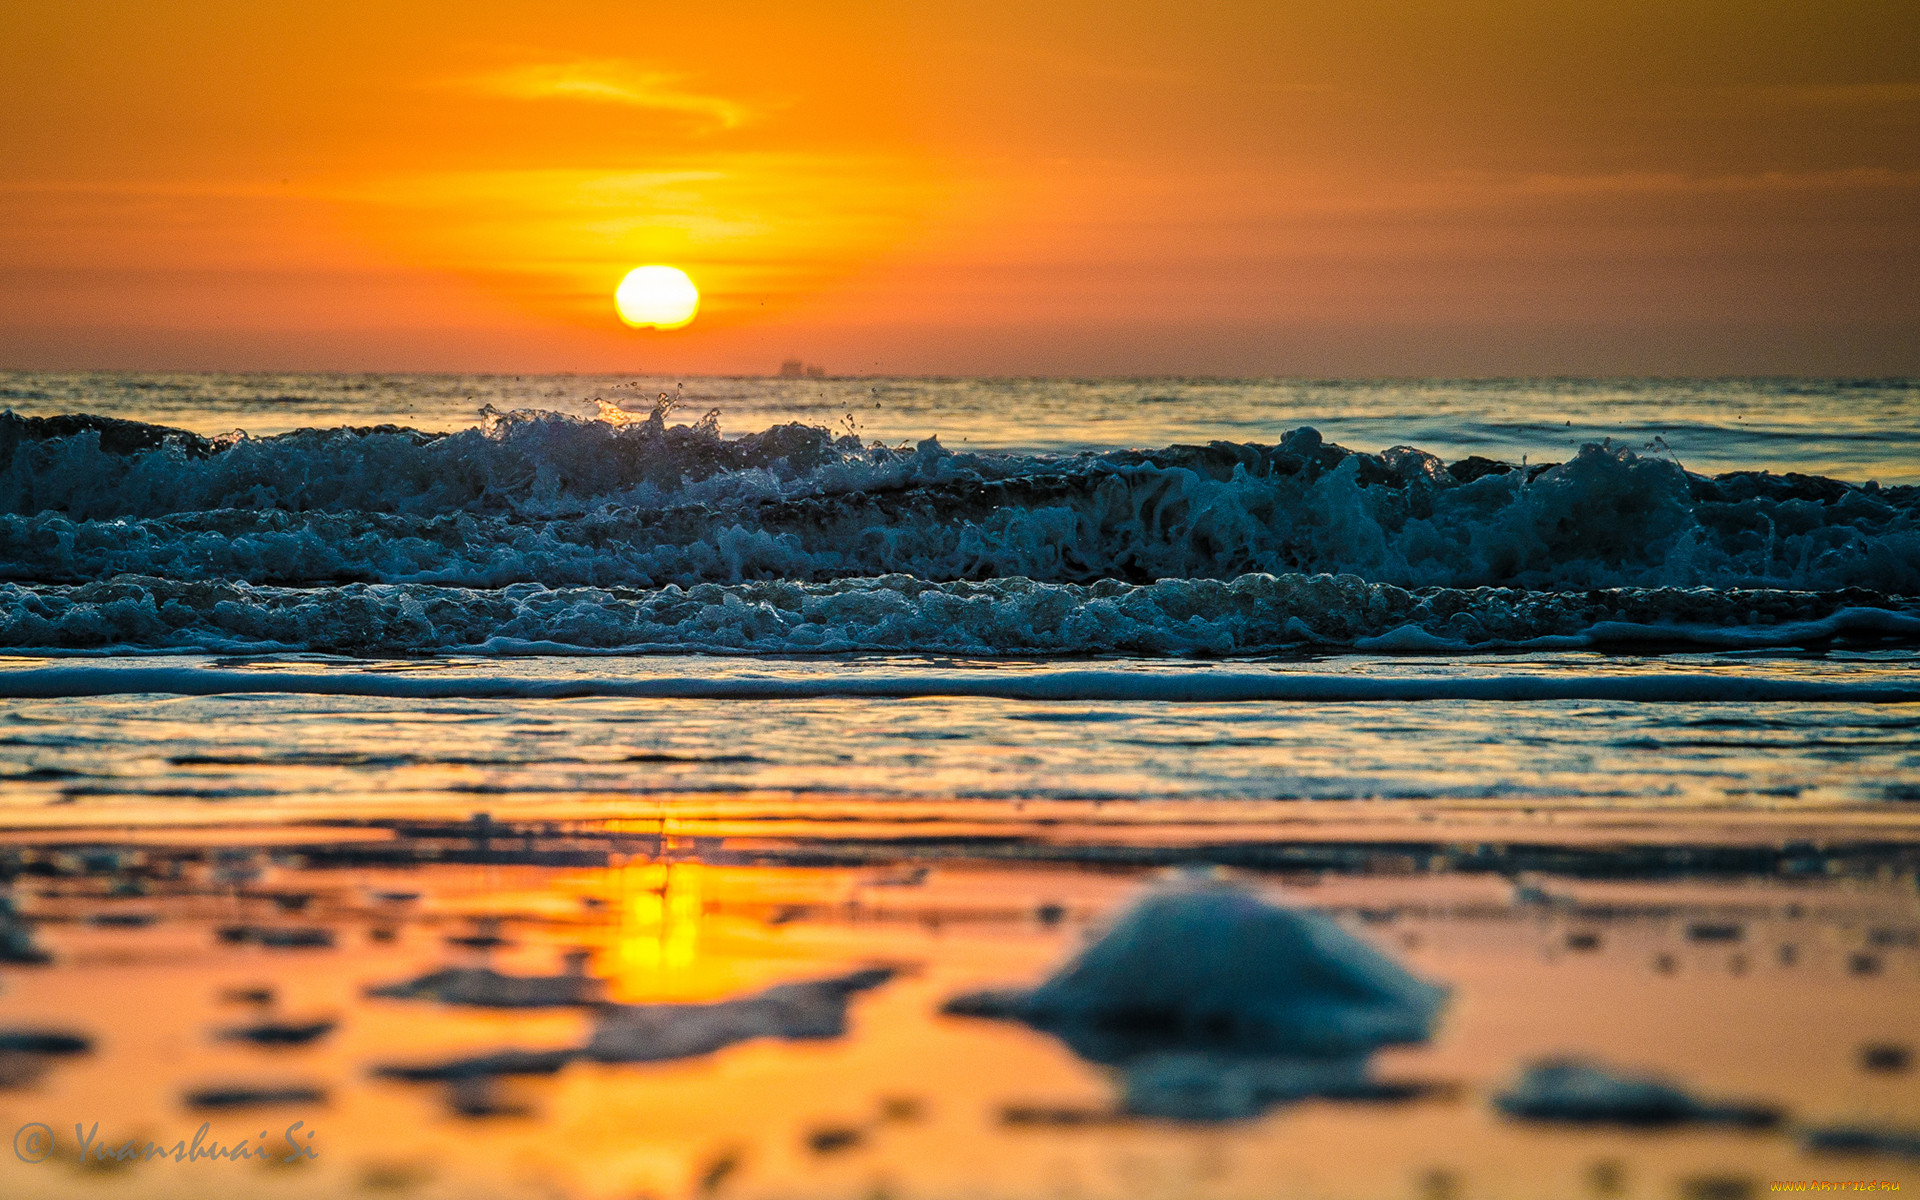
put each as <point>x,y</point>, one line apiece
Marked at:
<point>657,935</point>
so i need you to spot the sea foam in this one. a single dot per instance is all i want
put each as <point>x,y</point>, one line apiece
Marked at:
<point>1197,686</point>
<point>1251,614</point>
<point>543,498</point>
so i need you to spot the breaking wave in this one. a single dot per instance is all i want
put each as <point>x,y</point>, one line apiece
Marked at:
<point>624,533</point>
<point>1252,614</point>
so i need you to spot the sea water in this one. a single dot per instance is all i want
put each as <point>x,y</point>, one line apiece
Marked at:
<point>1849,429</point>
<point>1589,568</point>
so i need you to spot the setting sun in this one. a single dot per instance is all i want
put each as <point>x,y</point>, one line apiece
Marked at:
<point>657,298</point>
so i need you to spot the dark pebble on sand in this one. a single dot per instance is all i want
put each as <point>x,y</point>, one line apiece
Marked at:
<point>1860,1139</point>
<point>277,938</point>
<point>1056,1116</point>
<point>21,1070</point>
<point>478,1096</point>
<point>1887,1058</point>
<point>1608,1177</point>
<point>1440,1184</point>
<point>253,1097</point>
<point>717,1170</point>
<point>124,920</point>
<point>1712,931</point>
<point>486,935</point>
<point>1718,1187</point>
<point>831,1139</point>
<point>43,1041</point>
<point>279,1033</point>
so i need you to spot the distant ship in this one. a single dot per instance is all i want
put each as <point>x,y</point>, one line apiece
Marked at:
<point>793,368</point>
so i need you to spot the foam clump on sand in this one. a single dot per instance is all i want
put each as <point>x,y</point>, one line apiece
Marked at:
<point>1576,1091</point>
<point>484,987</point>
<point>1210,961</point>
<point>1862,1139</point>
<point>622,1033</point>
<point>810,1009</point>
<point>510,1061</point>
<point>807,1009</point>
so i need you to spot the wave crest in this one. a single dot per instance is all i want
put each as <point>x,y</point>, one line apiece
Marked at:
<point>535,497</point>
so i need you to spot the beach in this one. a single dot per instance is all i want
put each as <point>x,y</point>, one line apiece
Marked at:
<point>583,799</point>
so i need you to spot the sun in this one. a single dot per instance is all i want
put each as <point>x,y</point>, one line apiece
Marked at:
<point>656,298</point>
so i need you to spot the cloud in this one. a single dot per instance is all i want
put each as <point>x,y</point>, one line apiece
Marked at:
<point>607,81</point>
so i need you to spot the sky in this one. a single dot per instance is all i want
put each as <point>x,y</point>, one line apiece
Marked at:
<point>1481,187</point>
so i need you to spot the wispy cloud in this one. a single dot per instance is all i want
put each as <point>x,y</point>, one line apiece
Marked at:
<point>607,81</point>
<point>753,228</point>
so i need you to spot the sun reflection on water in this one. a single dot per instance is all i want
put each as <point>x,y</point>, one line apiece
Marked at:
<point>660,908</point>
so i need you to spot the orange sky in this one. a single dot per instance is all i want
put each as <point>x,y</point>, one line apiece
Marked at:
<point>1485,187</point>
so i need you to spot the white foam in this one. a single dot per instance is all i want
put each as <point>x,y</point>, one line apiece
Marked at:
<point>1195,686</point>
<point>556,500</point>
<point>1253,614</point>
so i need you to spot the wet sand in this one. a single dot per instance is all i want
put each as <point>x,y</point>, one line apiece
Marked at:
<point>1772,961</point>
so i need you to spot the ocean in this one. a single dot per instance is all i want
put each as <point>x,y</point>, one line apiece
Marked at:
<point>1594,701</point>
